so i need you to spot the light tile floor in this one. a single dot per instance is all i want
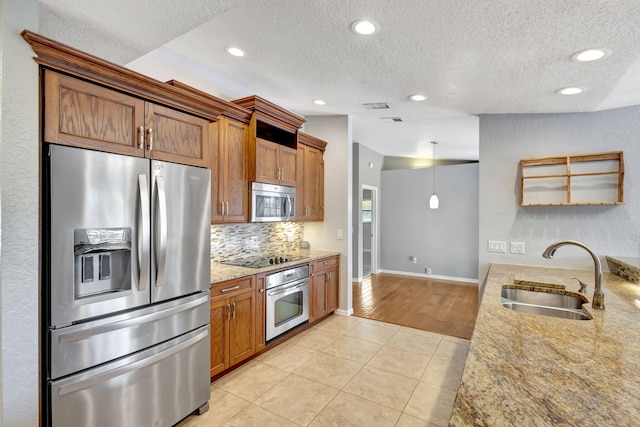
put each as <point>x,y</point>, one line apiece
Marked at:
<point>345,371</point>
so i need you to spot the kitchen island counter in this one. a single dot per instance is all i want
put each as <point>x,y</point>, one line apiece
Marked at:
<point>532,370</point>
<point>222,272</point>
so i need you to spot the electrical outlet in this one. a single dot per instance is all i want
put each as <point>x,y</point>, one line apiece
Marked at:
<point>517,247</point>
<point>497,246</point>
<point>427,270</point>
<point>413,259</point>
<point>339,234</point>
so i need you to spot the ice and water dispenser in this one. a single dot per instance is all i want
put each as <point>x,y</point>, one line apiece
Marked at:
<point>102,262</point>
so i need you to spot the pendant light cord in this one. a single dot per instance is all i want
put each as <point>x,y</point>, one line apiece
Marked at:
<point>434,166</point>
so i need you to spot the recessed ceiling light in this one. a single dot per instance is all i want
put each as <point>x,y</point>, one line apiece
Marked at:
<point>589,55</point>
<point>570,90</point>
<point>319,102</point>
<point>362,26</point>
<point>417,97</point>
<point>236,51</point>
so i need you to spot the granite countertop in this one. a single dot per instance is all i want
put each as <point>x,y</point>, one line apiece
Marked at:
<point>532,370</point>
<point>223,272</point>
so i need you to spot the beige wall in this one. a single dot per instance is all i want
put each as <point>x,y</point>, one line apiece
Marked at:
<point>336,131</point>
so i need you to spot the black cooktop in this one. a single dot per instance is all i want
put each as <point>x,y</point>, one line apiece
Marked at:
<point>263,261</point>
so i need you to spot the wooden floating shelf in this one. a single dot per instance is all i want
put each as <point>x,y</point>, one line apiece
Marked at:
<point>573,180</point>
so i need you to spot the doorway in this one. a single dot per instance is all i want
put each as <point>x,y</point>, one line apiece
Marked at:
<point>368,232</point>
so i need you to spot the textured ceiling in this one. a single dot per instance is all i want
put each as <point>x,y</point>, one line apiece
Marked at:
<point>468,57</point>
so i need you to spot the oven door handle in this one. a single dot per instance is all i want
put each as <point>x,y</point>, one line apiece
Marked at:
<point>288,290</point>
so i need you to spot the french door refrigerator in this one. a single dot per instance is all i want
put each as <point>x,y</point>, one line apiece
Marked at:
<point>125,289</point>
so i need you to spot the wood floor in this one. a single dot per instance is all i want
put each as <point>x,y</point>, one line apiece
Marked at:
<point>445,307</point>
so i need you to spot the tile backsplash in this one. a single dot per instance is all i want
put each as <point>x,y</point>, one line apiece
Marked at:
<point>241,240</point>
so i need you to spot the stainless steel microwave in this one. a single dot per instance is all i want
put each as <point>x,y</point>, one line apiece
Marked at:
<point>272,203</point>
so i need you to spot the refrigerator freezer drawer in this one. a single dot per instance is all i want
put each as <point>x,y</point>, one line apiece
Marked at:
<point>85,345</point>
<point>156,387</point>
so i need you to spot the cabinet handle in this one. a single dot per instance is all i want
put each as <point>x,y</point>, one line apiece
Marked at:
<point>329,276</point>
<point>230,289</point>
<point>234,310</point>
<point>261,290</point>
<point>325,263</point>
<point>228,311</point>
<point>222,208</point>
<point>227,208</point>
<point>150,139</point>
<point>141,137</point>
<point>281,174</point>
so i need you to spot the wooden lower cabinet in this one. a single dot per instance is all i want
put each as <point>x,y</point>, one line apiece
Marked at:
<point>232,323</point>
<point>324,287</point>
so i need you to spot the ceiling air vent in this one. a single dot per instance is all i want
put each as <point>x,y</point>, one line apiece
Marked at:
<point>392,119</point>
<point>376,105</point>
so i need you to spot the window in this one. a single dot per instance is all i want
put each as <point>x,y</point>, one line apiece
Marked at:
<point>366,210</point>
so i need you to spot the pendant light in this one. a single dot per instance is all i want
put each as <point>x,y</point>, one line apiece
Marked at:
<point>433,200</point>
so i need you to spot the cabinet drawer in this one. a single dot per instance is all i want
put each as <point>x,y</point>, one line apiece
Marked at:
<point>233,287</point>
<point>326,263</point>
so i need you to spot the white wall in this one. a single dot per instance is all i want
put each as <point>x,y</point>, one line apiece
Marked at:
<point>608,230</point>
<point>19,183</point>
<point>444,239</point>
<point>336,131</point>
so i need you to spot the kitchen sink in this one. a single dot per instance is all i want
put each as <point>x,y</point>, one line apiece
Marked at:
<point>544,303</point>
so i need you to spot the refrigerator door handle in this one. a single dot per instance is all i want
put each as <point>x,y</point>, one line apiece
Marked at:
<point>129,322</point>
<point>161,231</point>
<point>143,233</point>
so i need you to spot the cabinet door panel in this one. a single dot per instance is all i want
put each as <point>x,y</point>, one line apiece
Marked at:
<point>319,294</point>
<point>216,165</point>
<point>219,336</point>
<point>242,339</point>
<point>287,163</point>
<point>311,182</point>
<point>266,161</point>
<point>333,289</point>
<point>177,137</point>
<point>236,185</point>
<point>300,206</point>
<point>82,114</point>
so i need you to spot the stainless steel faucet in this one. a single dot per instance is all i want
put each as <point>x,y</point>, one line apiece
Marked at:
<point>598,294</point>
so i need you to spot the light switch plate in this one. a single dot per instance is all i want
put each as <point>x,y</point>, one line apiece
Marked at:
<point>497,246</point>
<point>339,234</point>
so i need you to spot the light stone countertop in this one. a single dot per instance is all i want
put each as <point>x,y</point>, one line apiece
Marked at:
<point>223,272</point>
<point>532,370</point>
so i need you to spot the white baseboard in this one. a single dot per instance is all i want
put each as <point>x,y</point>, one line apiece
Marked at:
<point>431,276</point>
<point>341,312</point>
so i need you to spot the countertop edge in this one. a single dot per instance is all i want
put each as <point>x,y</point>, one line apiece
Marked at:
<point>223,272</point>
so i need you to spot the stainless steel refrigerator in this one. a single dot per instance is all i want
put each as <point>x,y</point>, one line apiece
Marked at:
<point>125,289</point>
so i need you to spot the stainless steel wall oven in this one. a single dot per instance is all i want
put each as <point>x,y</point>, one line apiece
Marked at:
<point>287,300</point>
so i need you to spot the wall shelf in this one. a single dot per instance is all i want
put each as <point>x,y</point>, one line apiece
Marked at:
<point>573,180</point>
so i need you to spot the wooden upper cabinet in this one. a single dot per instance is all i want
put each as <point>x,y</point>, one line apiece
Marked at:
<point>310,188</point>
<point>82,114</point>
<point>272,142</point>
<point>267,169</point>
<point>228,162</point>
<point>275,163</point>
<point>175,136</point>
